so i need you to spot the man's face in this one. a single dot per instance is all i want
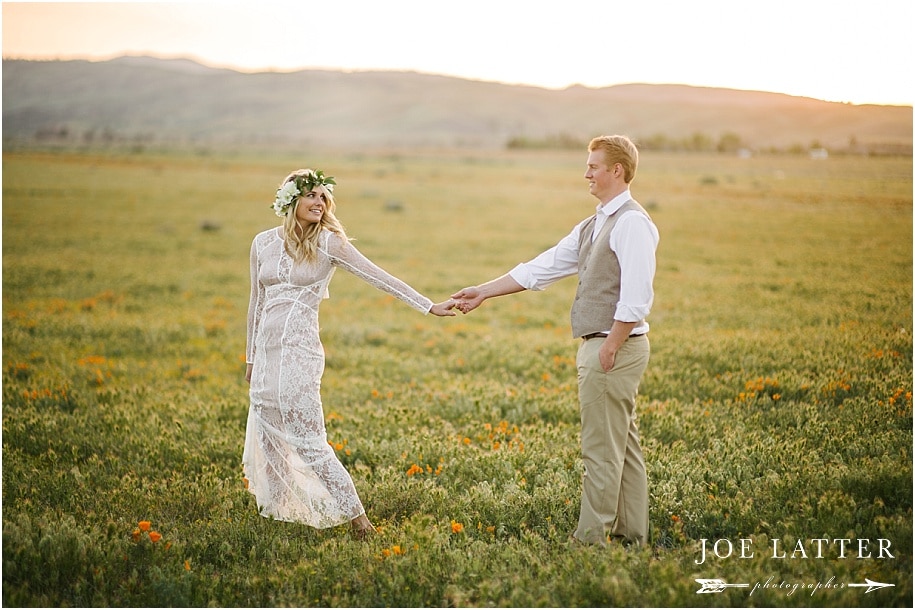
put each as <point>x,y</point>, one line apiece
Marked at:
<point>602,180</point>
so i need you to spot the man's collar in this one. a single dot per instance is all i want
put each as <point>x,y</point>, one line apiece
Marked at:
<point>607,209</point>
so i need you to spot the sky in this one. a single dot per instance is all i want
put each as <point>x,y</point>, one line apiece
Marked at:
<point>835,50</point>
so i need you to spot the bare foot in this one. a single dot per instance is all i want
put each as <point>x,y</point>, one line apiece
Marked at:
<point>362,527</point>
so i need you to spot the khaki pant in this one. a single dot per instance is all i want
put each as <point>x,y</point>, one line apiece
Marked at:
<point>614,498</point>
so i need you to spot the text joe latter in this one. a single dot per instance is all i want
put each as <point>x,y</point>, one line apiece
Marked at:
<point>814,548</point>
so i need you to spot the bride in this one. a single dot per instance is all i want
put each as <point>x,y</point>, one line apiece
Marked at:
<point>289,466</point>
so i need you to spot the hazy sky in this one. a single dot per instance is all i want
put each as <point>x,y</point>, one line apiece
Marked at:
<point>838,50</point>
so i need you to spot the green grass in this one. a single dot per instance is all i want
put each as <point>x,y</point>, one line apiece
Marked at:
<point>777,403</point>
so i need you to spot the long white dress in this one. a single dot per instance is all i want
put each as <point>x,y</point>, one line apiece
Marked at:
<point>291,470</point>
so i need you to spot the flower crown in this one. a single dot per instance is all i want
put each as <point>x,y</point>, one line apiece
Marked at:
<point>304,183</point>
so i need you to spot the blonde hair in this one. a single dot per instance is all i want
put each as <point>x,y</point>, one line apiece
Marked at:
<point>618,149</point>
<point>301,241</point>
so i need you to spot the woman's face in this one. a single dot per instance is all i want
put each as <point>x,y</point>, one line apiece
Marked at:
<point>311,206</point>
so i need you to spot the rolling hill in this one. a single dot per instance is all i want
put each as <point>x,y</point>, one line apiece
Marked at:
<point>151,100</point>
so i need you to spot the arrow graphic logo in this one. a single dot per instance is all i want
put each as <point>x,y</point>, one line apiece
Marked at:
<point>870,584</point>
<point>716,585</point>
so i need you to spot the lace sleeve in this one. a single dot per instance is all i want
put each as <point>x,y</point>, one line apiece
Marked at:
<point>255,305</point>
<point>344,254</point>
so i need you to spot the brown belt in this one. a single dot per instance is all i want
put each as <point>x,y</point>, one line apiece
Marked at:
<point>596,335</point>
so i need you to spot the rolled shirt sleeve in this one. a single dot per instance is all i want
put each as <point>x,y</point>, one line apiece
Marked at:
<point>634,239</point>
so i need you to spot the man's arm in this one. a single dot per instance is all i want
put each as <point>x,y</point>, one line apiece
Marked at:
<point>473,296</point>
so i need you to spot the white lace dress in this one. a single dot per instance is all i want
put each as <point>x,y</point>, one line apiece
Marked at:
<point>290,468</point>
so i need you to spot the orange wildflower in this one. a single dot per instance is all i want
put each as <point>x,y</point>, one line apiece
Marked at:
<point>136,535</point>
<point>92,360</point>
<point>414,469</point>
<point>144,526</point>
<point>155,536</point>
<point>187,565</point>
<point>456,528</point>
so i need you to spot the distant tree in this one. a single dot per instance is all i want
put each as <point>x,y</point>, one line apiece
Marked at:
<point>555,141</point>
<point>729,142</point>
<point>658,141</point>
<point>518,142</point>
<point>699,142</point>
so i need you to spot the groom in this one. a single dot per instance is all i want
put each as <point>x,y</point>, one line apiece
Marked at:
<point>613,253</point>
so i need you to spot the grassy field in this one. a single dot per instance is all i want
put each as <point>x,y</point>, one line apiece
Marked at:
<point>776,410</point>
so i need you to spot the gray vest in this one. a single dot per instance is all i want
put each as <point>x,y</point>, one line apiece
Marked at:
<point>598,276</point>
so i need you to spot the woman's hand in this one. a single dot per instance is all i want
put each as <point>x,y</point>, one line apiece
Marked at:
<point>445,308</point>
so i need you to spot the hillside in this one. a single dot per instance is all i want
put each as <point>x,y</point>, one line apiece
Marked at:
<point>153,100</point>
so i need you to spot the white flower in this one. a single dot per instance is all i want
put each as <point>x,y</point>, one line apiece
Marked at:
<point>285,195</point>
<point>289,191</point>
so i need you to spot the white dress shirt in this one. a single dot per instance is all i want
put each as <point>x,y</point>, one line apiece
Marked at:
<point>634,239</point>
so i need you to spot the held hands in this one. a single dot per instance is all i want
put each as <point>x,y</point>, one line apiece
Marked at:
<point>468,299</point>
<point>465,301</point>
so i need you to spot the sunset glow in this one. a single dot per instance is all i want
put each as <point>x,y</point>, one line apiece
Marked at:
<point>814,48</point>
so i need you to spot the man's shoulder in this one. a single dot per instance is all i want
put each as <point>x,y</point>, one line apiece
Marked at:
<point>633,205</point>
<point>635,218</point>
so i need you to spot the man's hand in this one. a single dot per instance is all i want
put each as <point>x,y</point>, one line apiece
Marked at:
<point>619,334</point>
<point>607,356</point>
<point>472,297</point>
<point>468,299</point>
